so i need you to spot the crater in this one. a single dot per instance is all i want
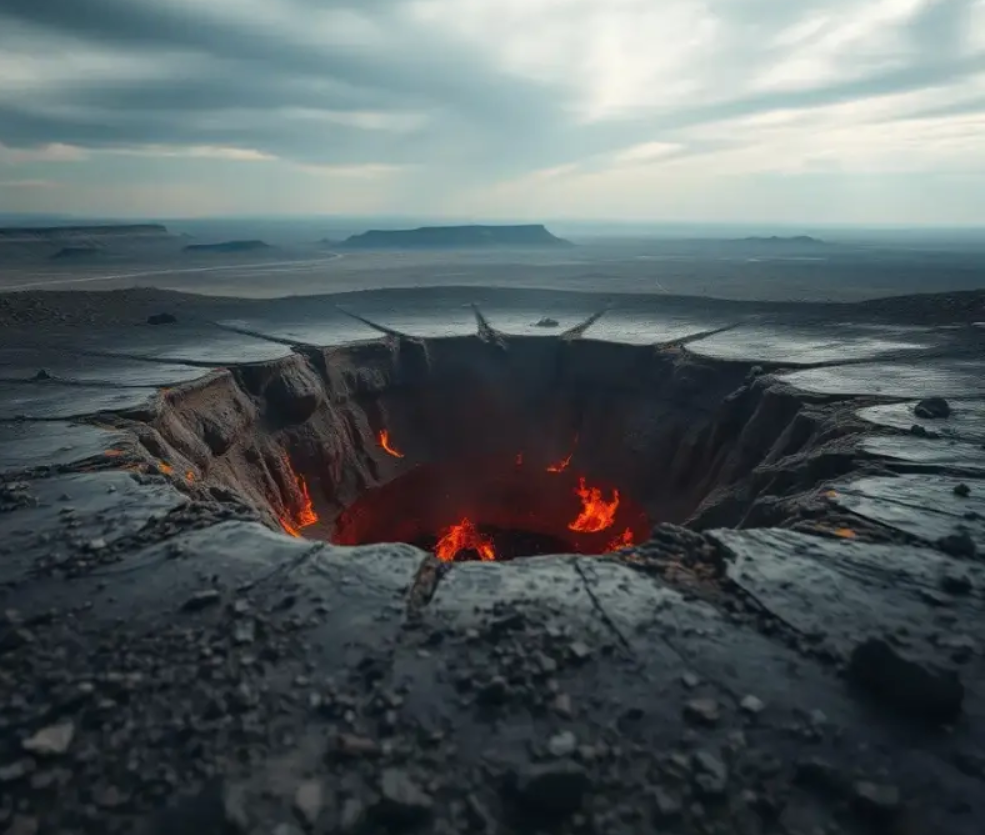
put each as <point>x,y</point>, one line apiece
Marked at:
<point>495,447</point>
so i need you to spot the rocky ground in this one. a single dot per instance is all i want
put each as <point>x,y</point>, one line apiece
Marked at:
<point>170,665</point>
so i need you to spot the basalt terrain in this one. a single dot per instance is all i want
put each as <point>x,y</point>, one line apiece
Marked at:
<point>283,567</point>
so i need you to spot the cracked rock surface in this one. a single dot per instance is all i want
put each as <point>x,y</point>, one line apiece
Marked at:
<point>804,657</point>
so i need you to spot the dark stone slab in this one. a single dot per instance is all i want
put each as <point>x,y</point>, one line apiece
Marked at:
<point>24,363</point>
<point>28,444</point>
<point>48,399</point>
<point>924,506</point>
<point>943,453</point>
<point>798,343</point>
<point>946,378</point>
<point>966,421</point>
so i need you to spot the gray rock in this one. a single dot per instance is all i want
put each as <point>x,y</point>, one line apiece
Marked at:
<point>16,771</point>
<point>932,407</point>
<point>702,711</point>
<point>402,802</point>
<point>51,741</point>
<point>752,705</point>
<point>201,600</point>
<point>907,686</point>
<point>958,544</point>
<point>308,801</point>
<point>562,744</point>
<point>710,773</point>
<point>353,813</point>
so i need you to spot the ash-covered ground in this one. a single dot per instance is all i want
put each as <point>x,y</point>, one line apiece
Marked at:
<point>809,661</point>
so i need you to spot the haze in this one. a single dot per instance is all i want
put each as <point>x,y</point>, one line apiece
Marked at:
<point>825,111</point>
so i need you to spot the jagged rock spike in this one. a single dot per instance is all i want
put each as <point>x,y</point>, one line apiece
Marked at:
<point>579,330</point>
<point>486,331</point>
<point>381,328</point>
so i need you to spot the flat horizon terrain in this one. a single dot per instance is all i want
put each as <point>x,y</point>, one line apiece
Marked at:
<point>749,270</point>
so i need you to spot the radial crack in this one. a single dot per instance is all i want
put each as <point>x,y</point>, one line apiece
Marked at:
<point>425,584</point>
<point>578,331</point>
<point>259,335</point>
<point>603,615</point>
<point>381,328</point>
<point>694,337</point>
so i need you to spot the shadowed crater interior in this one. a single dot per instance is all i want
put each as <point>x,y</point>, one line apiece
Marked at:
<point>494,447</point>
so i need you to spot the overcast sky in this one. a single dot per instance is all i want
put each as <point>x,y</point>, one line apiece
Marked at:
<point>813,111</point>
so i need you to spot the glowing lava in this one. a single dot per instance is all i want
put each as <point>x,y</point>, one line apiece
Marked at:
<point>463,537</point>
<point>596,513</point>
<point>624,540</point>
<point>306,514</point>
<point>384,436</point>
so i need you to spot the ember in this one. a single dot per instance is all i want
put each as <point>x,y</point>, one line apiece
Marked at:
<point>596,513</point>
<point>384,436</point>
<point>624,540</point>
<point>463,537</point>
<point>560,466</point>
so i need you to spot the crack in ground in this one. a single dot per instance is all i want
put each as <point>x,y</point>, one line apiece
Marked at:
<point>600,609</point>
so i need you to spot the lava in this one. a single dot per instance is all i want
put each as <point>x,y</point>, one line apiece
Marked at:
<point>596,513</point>
<point>190,476</point>
<point>560,466</point>
<point>463,537</point>
<point>306,514</point>
<point>624,540</point>
<point>164,468</point>
<point>384,437</point>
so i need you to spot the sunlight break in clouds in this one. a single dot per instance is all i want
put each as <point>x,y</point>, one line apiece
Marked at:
<point>747,109</point>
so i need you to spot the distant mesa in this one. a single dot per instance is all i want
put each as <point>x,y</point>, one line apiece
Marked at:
<point>229,246</point>
<point>456,237</point>
<point>546,322</point>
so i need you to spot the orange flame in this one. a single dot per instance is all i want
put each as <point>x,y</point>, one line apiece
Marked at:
<point>306,514</point>
<point>190,476</point>
<point>560,466</point>
<point>384,436</point>
<point>463,537</point>
<point>596,513</point>
<point>113,453</point>
<point>164,468</point>
<point>624,540</point>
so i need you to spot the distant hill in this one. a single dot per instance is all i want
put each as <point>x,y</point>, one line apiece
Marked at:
<point>456,237</point>
<point>30,243</point>
<point>229,246</point>
<point>76,252</point>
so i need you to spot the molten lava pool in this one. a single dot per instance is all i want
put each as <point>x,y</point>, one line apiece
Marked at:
<point>490,510</point>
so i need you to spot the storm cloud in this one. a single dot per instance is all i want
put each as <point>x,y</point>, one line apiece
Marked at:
<point>490,103</point>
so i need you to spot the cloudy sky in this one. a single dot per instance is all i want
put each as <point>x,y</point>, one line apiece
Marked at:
<point>813,111</point>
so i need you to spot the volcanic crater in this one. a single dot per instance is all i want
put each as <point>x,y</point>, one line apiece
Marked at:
<point>491,447</point>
